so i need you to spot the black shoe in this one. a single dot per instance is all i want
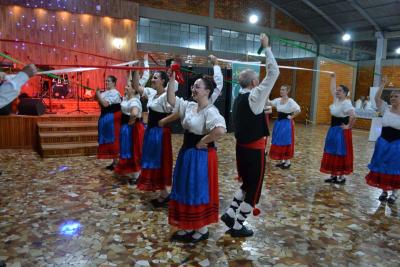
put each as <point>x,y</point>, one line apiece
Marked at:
<point>159,204</point>
<point>228,220</point>
<point>392,199</point>
<point>182,238</point>
<point>201,238</point>
<point>341,181</point>
<point>243,232</point>
<point>132,182</point>
<point>110,167</point>
<point>332,179</point>
<point>383,196</point>
<point>285,166</point>
<point>279,164</point>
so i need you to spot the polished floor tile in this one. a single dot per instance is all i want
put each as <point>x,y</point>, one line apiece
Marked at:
<point>73,212</point>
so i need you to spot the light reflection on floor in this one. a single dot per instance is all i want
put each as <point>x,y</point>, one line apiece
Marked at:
<point>303,221</point>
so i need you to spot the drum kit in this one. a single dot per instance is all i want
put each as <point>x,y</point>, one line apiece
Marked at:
<point>62,88</point>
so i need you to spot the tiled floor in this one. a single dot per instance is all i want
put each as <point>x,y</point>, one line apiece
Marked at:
<point>304,222</point>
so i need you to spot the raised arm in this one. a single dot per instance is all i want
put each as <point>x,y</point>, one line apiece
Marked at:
<point>259,94</point>
<point>333,84</point>
<point>136,83</point>
<point>101,100</point>
<point>378,95</point>
<point>218,78</point>
<point>146,72</point>
<point>171,90</point>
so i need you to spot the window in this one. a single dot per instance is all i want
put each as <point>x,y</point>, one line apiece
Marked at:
<point>171,33</point>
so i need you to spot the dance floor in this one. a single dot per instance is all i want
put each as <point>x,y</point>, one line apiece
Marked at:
<point>73,212</point>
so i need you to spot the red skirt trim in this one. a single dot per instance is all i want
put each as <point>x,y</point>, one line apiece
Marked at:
<point>339,165</point>
<point>383,181</point>
<point>196,216</point>
<point>159,179</point>
<point>111,151</point>
<point>282,152</point>
<point>127,166</point>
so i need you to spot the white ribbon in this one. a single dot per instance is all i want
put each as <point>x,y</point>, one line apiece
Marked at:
<point>68,70</point>
<point>281,67</point>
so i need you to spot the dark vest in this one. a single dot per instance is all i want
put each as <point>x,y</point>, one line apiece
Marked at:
<point>155,117</point>
<point>190,140</point>
<point>283,115</point>
<point>248,126</point>
<point>110,109</point>
<point>337,121</point>
<point>390,134</point>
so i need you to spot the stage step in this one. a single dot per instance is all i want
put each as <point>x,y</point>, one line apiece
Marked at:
<point>68,138</point>
<point>69,150</point>
<point>67,126</point>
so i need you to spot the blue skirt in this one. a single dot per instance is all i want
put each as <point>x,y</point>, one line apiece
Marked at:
<point>386,157</point>
<point>152,148</point>
<point>106,129</point>
<point>126,141</point>
<point>190,179</point>
<point>282,133</point>
<point>334,142</point>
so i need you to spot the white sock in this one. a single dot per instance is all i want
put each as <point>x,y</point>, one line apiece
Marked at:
<point>240,218</point>
<point>394,192</point>
<point>239,196</point>
<point>287,162</point>
<point>183,232</point>
<point>199,232</point>
<point>135,175</point>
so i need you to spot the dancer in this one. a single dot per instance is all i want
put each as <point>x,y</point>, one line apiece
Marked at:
<point>385,163</point>
<point>131,132</point>
<point>282,144</point>
<point>156,172</point>
<point>194,197</point>
<point>338,152</point>
<point>250,133</point>
<point>109,122</point>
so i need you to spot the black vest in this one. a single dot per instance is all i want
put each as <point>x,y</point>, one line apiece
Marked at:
<point>155,117</point>
<point>248,126</point>
<point>337,121</point>
<point>190,140</point>
<point>110,109</point>
<point>283,115</point>
<point>390,134</point>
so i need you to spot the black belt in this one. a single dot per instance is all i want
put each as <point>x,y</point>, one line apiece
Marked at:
<point>283,115</point>
<point>155,117</point>
<point>337,121</point>
<point>125,119</point>
<point>190,140</point>
<point>110,109</point>
<point>390,134</point>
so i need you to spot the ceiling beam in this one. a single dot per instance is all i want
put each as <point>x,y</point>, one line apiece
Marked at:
<point>324,15</point>
<point>363,13</point>
<point>312,33</point>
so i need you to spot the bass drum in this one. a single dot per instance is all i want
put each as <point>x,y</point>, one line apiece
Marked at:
<point>60,91</point>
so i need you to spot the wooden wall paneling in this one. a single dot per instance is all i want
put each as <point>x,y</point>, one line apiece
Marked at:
<point>365,79</point>
<point>82,32</point>
<point>200,8</point>
<point>304,89</point>
<point>116,9</point>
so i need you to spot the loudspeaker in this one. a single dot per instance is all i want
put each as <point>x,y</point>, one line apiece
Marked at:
<point>6,110</point>
<point>31,106</point>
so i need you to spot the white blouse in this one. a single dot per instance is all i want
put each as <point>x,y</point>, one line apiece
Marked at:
<point>289,107</point>
<point>128,104</point>
<point>159,104</point>
<point>112,96</point>
<point>201,122</point>
<point>389,119</point>
<point>340,108</point>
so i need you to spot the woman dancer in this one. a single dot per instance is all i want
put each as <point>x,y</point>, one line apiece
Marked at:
<point>109,122</point>
<point>385,163</point>
<point>194,197</point>
<point>282,144</point>
<point>338,152</point>
<point>131,132</point>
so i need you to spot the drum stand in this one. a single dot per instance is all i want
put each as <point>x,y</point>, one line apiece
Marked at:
<point>49,93</point>
<point>79,88</point>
